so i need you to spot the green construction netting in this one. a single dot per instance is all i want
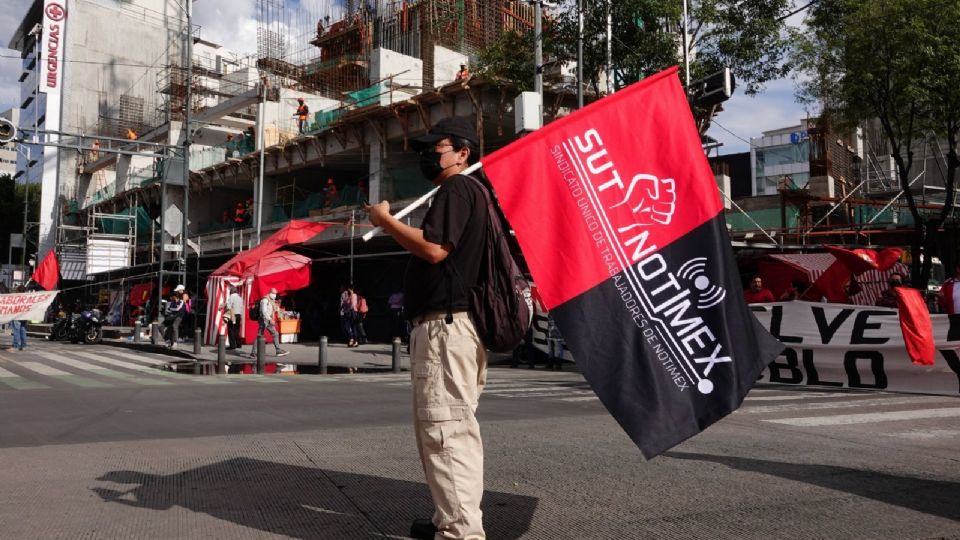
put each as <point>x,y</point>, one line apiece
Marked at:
<point>324,118</point>
<point>121,226</point>
<point>365,96</point>
<point>768,218</point>
<point>312,201</point>
<point>404,183</point>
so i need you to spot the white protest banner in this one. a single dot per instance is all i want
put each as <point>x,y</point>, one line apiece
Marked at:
<point>25,306</point>
<point>850,346</point>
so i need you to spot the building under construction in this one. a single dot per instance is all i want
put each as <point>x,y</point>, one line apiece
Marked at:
<point>373,74</point>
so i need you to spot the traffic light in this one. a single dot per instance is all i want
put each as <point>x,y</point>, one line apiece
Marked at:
<point>713,89</point>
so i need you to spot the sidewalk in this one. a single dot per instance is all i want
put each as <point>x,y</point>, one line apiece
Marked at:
<point>303,357</point>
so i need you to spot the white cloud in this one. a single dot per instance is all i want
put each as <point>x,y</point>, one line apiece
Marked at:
<point>10,17</point>
<point>749,116</point>
<point>231,23</point>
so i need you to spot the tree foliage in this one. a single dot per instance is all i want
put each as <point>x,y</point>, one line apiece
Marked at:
<point>11,211</point>
<point>749,36</point>
<point>896,61</point>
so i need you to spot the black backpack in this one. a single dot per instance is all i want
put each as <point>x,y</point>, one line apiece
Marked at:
<point>500,303</point>
<point>254,311</point>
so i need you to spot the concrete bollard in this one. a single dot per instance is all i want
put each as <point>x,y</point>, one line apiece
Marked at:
<point>396,355</point>
<point>323,355</point>
<point>261,347</point>
<point>197,340</point>
<point>221,355</point>
<point>155,338</point>
<point>137,328</point>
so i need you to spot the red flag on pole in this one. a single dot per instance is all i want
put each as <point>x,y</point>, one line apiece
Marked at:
<point>47,274</point>
<point>620,221</point>
<point>916,326</point>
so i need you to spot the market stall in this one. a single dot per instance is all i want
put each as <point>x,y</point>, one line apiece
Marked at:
<point>255,272</point>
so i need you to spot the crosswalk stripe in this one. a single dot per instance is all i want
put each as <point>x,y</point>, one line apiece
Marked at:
<point>833,405</point>
<point>264,378</point>
<point>532,389</point>
<point>20,383</point>
<point>102,371</point>
<point>865,418</point>
<point>152,371</point>
<point>64,376</point>
<point>804,395</point>
<point>547,394</point>
<point>142,358</point>
<point>582,398</point>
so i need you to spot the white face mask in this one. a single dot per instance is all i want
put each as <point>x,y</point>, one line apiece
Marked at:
<point>273,296</point>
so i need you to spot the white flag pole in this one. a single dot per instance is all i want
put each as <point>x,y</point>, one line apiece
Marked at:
<point>417,203</point>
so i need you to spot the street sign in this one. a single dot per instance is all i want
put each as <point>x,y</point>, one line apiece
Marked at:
<point>173,247</point>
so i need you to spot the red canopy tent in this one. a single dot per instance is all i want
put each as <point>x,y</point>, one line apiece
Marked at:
<point>281,270</point>
<point>237,271</point>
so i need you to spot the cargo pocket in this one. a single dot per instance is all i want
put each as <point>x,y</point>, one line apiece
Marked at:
<point>442,427</point>
<point>427,384</point>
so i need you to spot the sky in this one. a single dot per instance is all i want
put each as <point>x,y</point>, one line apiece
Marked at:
<point>233,24</point>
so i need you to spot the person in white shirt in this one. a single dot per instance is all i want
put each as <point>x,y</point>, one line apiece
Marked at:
<point>234,317</point>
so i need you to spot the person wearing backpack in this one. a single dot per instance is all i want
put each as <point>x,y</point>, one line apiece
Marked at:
<point>448,361</point>
<point>266,317</point>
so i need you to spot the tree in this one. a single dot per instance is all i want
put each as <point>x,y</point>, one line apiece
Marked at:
<point>748,36</point>
<point>896,61</point>
<point>11,211</point>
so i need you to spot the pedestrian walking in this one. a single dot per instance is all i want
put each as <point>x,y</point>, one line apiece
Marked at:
<point>269,313</point>
<point>348,315</point>
<point>234,316</point>
<point>448,362</point>
<point>172,317</point>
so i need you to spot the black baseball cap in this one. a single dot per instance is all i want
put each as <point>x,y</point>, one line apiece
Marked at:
<point>455,126</point>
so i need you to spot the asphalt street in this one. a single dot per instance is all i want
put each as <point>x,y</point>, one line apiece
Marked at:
<point>100,442</point>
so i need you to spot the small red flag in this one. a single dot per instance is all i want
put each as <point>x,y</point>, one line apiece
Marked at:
<point>47,275</point>
<point>916,326</point>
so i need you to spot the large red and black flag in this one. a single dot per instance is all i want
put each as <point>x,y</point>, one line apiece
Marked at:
<point>618,216</point>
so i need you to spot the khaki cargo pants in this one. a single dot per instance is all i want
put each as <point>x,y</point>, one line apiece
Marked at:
<point>449,368</point>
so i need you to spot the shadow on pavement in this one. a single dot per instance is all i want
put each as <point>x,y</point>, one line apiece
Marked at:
<point>933,497</point>
<point>305,502</point>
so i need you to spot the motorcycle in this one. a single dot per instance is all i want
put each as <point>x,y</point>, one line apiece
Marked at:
<point>86,326</point>
<point>60,327</point>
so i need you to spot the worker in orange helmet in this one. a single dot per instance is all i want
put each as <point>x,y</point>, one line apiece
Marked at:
<point>302,113</point>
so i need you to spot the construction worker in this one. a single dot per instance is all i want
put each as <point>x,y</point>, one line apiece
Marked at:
<point>464,73</point>
<point>240,215</point>
<point>302,113</point>
<point>330,195</point>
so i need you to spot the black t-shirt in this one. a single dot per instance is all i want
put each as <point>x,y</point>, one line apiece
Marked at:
<point>458,216</point>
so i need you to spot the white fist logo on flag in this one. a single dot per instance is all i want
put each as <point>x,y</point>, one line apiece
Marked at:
<point>652,199</point>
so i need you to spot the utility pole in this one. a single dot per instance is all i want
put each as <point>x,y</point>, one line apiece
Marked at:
<point>538,48</point>
<point>610,86</point>
<point>187,135</point>
<point>262,112</point>
<point>686,48</point>
<point>579,54</point>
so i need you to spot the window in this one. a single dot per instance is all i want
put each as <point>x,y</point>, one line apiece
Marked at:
<point>787,154</point>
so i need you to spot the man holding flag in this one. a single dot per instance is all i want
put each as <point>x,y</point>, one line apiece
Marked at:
<point>447,359</point>
<point>617,213</point>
